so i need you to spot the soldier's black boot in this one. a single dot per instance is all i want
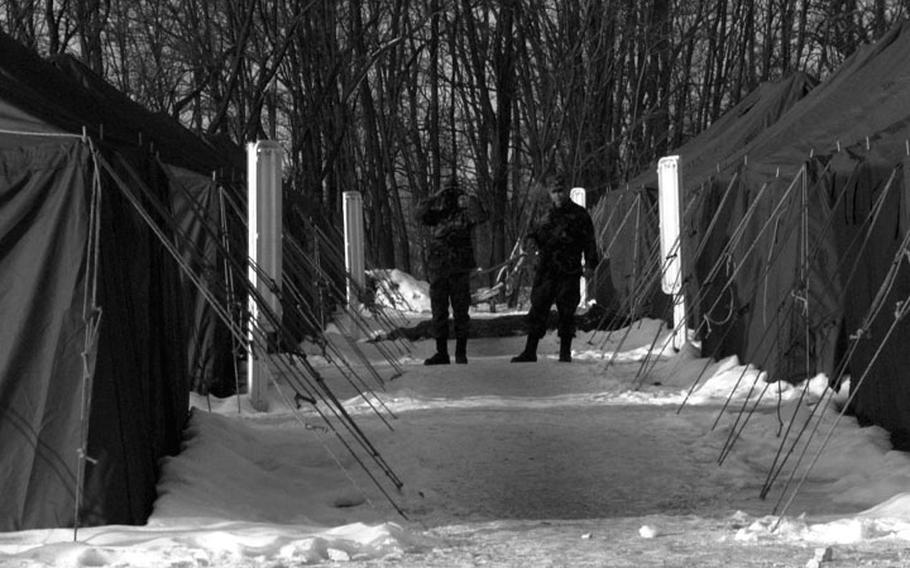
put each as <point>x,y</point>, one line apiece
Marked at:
<point>529,355</point>
<point>441,357</point>
<point>565,349</point>
<point>461,350</point>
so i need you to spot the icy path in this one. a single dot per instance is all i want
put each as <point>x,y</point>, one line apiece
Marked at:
<point>549,464</point>
<point>508,465</point>
<point>493,440</point>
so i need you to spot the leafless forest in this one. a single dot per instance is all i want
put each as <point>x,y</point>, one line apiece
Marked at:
<point>386,96</point>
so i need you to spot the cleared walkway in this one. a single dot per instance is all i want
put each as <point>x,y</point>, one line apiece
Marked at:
<point>492,440</point>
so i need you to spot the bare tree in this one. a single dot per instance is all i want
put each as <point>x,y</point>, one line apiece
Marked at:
<point>383,96</point>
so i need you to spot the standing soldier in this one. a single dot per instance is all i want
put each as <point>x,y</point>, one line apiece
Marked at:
<point>565,234</point>
<point>451,214</point>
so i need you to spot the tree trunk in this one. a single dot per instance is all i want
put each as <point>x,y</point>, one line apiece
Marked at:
<point>505,89</point>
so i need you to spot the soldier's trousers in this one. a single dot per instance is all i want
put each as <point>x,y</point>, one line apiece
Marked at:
<point>455,289</point>
<point>565,292</point>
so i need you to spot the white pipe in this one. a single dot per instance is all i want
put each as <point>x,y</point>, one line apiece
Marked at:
<point>579,196</point>
<point>264,220</point>
<point>669,177</point>
<point>353,247</point>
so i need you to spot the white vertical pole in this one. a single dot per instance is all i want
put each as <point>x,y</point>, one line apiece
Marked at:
<point>264,160</point>
<point>669,178</point>
<point>353,246</point>
<point>579,196</point>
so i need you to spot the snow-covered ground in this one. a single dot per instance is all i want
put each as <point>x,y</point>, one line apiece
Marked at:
<point>592,463</point>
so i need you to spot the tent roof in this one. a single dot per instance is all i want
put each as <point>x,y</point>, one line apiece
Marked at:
<point>37,99</point>
<point>866,99</point>
<point>129,121</point>
<point>760,109</point>
<point>61,96</point>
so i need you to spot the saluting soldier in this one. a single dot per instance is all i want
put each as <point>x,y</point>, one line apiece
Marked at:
<point>452,215</point>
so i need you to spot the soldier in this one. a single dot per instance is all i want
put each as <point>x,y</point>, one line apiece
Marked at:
<point>565,234</point>
<point>451,214</point>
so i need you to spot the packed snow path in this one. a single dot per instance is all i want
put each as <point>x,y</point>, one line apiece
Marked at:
<point>494,440</point>
<point>542,464</point>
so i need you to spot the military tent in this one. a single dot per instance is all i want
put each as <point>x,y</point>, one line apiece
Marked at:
<point>205,180</point>
<point>801,237</point>
<point>626,217</point>
<point>94,379</point>
<point>831,279</point>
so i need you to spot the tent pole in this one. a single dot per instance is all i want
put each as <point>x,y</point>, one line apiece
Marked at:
<point>91,316</point>
<point>229,283</point>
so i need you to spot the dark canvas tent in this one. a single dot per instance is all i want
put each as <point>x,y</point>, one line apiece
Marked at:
<point>205,179</point>
<point>627,218</point>
<point>754,114</point>
<point>830,274</point>
<point>94,341</point>
<point>131,123</point>
<point>627,232</point>
<point>203,175</point>
<point>801,237</point>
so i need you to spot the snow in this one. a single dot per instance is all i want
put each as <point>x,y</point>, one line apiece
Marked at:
<point>597,461</point>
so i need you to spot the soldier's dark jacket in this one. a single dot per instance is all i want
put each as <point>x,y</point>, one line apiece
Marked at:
<point>562,237</point>
<point>450,249</point>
